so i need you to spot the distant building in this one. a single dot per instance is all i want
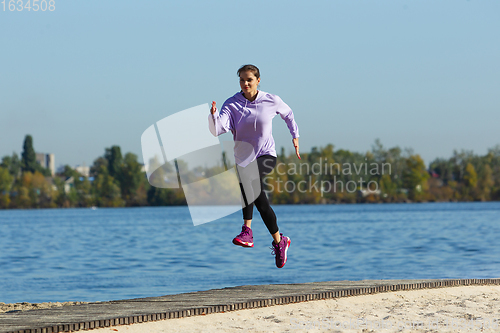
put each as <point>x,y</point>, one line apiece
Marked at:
<point>365,192</point>
<point>47,161</point>
<point>83,170</point>
<point>68,184</point>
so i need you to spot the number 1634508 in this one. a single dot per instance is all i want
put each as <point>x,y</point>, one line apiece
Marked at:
<point>29,5</point>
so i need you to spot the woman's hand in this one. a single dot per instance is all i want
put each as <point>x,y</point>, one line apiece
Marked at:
<point>296,145</point>
<point>213,109</point>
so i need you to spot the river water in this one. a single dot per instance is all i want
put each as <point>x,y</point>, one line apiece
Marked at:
<point>119,253</point>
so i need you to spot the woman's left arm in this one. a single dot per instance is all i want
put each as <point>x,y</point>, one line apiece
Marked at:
<point>286,114</point>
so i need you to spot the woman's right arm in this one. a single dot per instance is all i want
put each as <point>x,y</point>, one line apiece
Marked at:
<point>219,122</point>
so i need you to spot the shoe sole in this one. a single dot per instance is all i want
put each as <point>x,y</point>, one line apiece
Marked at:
<point>286,250</point>
<point>241,243</point>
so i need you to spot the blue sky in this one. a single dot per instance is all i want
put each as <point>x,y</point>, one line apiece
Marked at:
<point>92,74</point>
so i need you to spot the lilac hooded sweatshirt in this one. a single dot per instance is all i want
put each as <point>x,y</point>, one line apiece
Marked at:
<point>251,124</point>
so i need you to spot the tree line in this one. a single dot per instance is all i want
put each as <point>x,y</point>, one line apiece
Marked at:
<point>114,181</point>
<point>385,175</point>
<point>323,175</point>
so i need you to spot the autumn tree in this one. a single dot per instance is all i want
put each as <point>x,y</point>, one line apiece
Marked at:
<point>415,177</point>
<point>6,181</point>
<point>470,182</point>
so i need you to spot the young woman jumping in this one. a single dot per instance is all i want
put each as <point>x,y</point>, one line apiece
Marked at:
<point>248,115</point>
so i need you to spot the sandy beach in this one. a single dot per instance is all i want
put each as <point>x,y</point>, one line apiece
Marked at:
<point>452,309</point>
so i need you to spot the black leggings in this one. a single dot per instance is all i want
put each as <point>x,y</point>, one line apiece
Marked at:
<point>266,164</point>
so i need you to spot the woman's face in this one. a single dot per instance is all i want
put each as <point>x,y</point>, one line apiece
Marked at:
<point>249,83</point>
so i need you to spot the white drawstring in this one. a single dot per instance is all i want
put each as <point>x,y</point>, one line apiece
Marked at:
<point>256,113</point>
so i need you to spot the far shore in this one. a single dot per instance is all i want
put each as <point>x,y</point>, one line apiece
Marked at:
<point>293,204</point>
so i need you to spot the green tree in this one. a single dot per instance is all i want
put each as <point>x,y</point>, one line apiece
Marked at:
<point>165,197</point>
<point>388,188</point>
<point>15,165</point>
<point>98,164</point>
<point>106,190</point>
<point>84,189</point>
<point>68,172</point>
<point>28,161</point>
<point>6,180</point>
<point>130,177</point>
<point>61,197</point>
<point>486,183</point>
<point>44,171</point>
<point>415,177</point>
<point>115,160</point>
<point>6,161</point>
<point>12,164</point>
<point>446,169</point>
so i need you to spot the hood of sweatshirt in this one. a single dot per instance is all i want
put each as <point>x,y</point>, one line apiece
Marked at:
<point>240,97</point>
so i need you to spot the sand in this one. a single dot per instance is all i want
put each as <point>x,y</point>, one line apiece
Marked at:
<point>454,309</point>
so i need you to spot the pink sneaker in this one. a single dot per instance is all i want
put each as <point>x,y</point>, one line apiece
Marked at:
<point>280,250</point>
<point>245,238</point>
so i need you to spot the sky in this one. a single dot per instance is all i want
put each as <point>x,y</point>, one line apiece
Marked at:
<point>91,74</point>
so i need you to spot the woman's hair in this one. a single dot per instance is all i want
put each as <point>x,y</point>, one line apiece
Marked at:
<point>250,68</point>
